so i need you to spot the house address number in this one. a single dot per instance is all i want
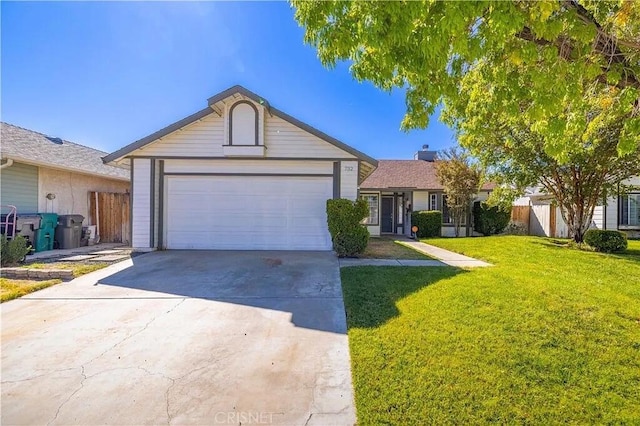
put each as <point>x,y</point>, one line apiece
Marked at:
<point>348,168</point>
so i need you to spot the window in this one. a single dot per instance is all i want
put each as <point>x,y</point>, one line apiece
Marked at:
<point>446,217</point>
<point>433,202</point>
<point>629,210</point>
<point>372,201</point>
<point>446,214</point>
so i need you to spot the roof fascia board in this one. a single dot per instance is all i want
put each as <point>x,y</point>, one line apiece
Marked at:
<point>22,160</point>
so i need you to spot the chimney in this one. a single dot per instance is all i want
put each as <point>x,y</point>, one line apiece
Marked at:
<point>425,155</point>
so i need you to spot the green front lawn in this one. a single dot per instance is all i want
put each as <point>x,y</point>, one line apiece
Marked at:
<point>547,335</point>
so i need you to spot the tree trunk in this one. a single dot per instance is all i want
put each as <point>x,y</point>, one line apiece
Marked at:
<point>578,219</point>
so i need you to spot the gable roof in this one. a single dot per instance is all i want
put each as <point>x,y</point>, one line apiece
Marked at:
<point>407,174</point>
<point>35,148</point>
<point>211,110</point>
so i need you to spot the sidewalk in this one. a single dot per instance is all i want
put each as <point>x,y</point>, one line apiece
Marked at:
<point>53,254</point>
<point>345,262</point>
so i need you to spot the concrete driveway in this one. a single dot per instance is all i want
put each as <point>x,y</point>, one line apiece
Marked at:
<point>183,337</point>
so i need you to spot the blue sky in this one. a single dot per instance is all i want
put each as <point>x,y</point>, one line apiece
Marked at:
<point>107,74</point>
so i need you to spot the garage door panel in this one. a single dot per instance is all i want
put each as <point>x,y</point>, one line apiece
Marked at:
<point>245,213</point>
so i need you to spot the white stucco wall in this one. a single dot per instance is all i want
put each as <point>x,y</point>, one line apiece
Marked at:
<point>72,191</point>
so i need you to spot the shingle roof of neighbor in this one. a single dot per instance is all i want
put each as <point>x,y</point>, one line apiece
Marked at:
<point>406,174</point>
<point>18,144</point>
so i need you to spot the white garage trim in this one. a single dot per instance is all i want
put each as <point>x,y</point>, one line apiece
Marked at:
<point>291,213</point>
<point>250,174</point>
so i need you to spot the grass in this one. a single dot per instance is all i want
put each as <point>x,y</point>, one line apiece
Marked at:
<point>387,248</point>
<point>77,268</point>
<point>12,289</point>
<point>547,335</point>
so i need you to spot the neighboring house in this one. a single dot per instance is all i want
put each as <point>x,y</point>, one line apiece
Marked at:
<point>398,187</point>
<point>238,174</point>
<point>43,174</point>
<point>617,213</point>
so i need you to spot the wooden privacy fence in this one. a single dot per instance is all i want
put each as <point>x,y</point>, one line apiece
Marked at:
<point>520,215</point>
<point>110,212</point>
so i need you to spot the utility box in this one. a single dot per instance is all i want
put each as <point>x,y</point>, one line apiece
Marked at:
<point>28,225</point>
<point>69,231</point>
<point>46,234</point>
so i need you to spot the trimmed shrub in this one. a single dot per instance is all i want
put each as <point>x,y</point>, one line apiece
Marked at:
<point>351,243</point>
<point>514,228</point>
<point>429,223</point>
<point>344,219</point>
<point>14,250</point>
<point>606,241</point>
<point>490,220</point>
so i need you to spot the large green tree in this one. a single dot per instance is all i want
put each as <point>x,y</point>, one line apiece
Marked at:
<point>540,56</point>
<point>543,92</point>
<point>517,149</point>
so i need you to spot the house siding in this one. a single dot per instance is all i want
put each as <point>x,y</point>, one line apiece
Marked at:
<point>72,191</point>
<point>203,138</point>
<point>206,137</point>
<point>141,207</point>
<point>283,139</point>
<point>19,187</point>
<point>349,180</point>
<point>598,217</point>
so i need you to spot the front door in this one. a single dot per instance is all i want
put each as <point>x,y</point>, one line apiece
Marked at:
<point>386,215</point>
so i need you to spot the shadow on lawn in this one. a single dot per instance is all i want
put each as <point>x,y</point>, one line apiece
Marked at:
<point>630,254</point>
<point>371,292</point>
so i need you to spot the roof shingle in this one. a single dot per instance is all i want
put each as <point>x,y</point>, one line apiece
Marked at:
<point>407,174</point>
<point>33,147</point>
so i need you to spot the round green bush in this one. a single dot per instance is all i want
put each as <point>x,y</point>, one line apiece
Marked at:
<point>13,251</point>
<point>490,220</point>
<point>352,242</point>
<point>606,241</point>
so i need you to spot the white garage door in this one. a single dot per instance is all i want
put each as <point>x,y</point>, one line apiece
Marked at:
<point>248,212</point>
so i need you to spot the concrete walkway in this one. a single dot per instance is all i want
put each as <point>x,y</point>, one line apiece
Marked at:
<point>53,254</point>
<point>388,262</point>
<point>445,256</point>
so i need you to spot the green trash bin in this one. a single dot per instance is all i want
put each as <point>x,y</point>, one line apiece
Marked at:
<point>45,235</point>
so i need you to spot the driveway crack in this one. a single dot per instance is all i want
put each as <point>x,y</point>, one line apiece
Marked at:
<point>84,377</point>
<point>115,345</point>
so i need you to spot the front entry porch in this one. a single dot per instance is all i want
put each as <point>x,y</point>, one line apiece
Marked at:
<point>390,213</point>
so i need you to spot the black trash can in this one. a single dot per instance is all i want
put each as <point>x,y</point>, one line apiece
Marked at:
<point>69,231</point>
<point>28,225</point>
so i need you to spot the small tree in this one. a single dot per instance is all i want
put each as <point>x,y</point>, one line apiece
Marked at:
<point>461,181</point>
